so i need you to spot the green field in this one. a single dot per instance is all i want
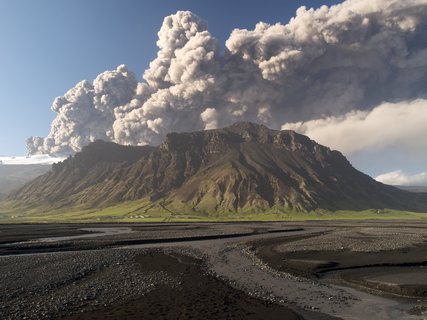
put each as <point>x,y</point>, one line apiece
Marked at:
<point>146,211</point>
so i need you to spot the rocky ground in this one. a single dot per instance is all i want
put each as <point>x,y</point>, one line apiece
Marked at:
<point>49,286</point>
<point>360,239</point>
<point>213,271</point>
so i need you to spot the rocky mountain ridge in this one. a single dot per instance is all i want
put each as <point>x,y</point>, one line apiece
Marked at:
<point>243,167</point>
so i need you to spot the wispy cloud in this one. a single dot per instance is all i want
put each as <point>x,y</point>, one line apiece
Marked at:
<point>399,178</point>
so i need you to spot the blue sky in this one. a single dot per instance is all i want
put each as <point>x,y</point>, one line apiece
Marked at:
<point>47,46</point>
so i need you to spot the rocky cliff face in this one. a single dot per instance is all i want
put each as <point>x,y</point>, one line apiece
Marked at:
<point>242,167</point>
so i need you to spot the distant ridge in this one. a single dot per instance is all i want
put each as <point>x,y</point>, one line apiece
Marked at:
<point>245,167</point>
<point>418,189</point>
<point>14,176</point>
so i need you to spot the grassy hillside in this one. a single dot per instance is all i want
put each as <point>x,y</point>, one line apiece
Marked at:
<point>147,211</point>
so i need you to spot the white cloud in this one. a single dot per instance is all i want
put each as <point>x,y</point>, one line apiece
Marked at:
<point>399,178</point>
<point>397,126</point>
<point>210,118</point>
<point>34,159</point>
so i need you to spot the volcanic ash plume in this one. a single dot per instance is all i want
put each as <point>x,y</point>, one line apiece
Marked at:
<point>86,113</point>
<point>323,63</point>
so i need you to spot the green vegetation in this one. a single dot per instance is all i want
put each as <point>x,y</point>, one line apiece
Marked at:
<point>147,211</point>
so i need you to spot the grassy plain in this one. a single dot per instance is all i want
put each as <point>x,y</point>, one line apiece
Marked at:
<point>147,211</point>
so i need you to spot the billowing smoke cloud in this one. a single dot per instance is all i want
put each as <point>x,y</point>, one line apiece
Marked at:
<point>86,113</point>
<point>323,63</point>
<point>399,178</point>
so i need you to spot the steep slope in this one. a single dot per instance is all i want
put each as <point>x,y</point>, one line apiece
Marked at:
<point>70,179</point>
<point>244,167</point>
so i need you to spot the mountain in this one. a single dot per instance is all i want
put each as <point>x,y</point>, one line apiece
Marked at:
<point>13,176</point>
<point>244,167</point>
<point>419,189</point>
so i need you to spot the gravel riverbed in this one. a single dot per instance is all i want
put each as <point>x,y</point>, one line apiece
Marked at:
<point>209,271</point>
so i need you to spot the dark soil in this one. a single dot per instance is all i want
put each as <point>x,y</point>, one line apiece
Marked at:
<point>355,268</point>
<point>10,234</point>
<point>391,280</point>
<point>198,296</point>
<point>24,232</point>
